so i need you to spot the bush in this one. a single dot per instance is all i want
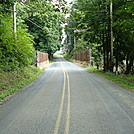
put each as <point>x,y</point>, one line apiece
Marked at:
<point>14,81</point>
<point>15,51</point>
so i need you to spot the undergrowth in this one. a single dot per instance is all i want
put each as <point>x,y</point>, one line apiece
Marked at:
<point>14,81</point>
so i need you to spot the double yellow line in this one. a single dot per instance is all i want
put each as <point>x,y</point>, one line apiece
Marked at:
<point>66,79</point>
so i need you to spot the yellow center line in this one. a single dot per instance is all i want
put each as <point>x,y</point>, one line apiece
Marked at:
<point>61,105</point>
<point>68,108</point>
<point>66,76</point>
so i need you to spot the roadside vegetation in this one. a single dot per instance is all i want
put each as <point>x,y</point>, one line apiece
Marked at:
<point>68,57</point>
<point>125,81</point>
<point>14,81</point>
<point>106,27</point>
<point>38,28</point>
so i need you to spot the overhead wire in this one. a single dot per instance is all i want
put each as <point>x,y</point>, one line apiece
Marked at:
<point>30,20</point>
<point>35,23</point>
<point>25,18</point>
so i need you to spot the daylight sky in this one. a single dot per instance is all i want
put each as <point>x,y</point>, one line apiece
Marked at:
<point>69,1</point>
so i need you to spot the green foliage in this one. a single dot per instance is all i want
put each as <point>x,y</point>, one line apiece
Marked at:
<point>5,5</point>
<point>45,24</point>
<point>94,17</point>
<point>68,57</point>
<point>42,19</point>
<point>125,81</point>
<point>14,81</point>
<point>96,55</point>
<point>7,2</point>
<point>15,50</point>
<point>81,44</point>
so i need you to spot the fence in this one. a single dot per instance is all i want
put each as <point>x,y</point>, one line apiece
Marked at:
<point>42,59</point>
<point>83,57</point>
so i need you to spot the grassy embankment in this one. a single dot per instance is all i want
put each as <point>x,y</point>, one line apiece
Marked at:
<point>125,81</point>
<point>11,82</point>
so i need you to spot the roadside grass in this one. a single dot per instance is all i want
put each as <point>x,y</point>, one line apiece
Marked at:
<point>11,82</point>
<point>125,81</point>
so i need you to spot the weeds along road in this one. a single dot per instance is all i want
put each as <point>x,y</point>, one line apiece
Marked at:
<point>67,99</point>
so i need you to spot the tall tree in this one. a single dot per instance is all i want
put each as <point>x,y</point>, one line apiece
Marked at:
<point>94,16</point>
<point>44,20</point>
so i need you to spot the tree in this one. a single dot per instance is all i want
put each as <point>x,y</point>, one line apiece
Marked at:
<point>44,23</point>
<point>94,16</point>
<point>15,53</point>
<point>124,32</point>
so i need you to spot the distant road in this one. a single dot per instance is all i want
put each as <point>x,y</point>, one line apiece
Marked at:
<point>67,99</point>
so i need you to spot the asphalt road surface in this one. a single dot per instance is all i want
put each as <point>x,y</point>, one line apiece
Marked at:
<point>67,99</point>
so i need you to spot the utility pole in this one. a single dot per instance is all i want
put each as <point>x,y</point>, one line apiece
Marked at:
<point>14,18</point>
<point>111,30</point>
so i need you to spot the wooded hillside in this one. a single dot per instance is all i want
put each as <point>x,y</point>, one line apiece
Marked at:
<point>27,26</point>
<point>106,27</point>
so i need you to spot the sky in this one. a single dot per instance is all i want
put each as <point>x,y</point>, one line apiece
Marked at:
<point>69,1</point>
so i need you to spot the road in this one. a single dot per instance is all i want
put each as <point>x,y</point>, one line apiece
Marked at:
<point>67,99</point>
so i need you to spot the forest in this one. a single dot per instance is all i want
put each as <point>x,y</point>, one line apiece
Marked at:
<point>27,26</point>
<point>106,27</point>
<point>38,28</point>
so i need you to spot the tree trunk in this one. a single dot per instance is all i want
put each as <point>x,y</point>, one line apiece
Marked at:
<point>111,31</point>
<point>130,65</point>
<point>107,55</point>
<point>117,62</point>
<point>127,66</point>
<point>107,49</point>
<point>104,51</point>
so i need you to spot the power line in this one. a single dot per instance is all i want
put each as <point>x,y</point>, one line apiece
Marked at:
<point>30,20</point>
<point>25,18</point>
<point>34,23</point>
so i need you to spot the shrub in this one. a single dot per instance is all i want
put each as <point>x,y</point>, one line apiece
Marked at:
<point>15,51</point>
